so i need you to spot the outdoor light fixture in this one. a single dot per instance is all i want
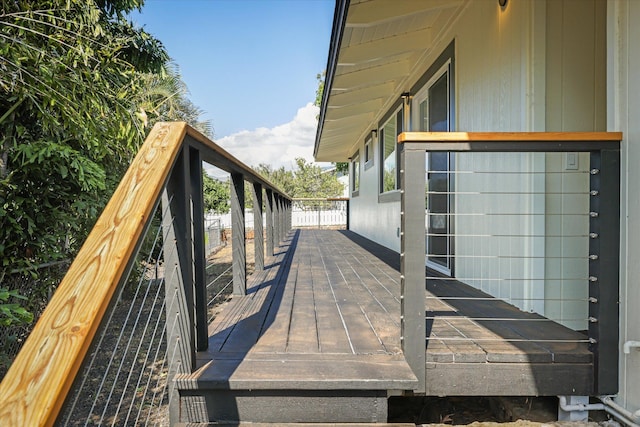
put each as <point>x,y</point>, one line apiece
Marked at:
<point>503,3</point>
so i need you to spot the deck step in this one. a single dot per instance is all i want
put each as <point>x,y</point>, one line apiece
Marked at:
<point>290,388</point>
<point>223,424</point>
<point>302,371</point>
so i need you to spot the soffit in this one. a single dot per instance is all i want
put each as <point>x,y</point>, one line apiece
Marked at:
<point>382,42</point>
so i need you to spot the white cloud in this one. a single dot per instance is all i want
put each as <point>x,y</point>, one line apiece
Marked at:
<point>277,146</point>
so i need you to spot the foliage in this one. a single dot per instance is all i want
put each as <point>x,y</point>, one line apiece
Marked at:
<point>80,86</point>
<point>67,72</point>
<point>320,90</point>
<point>216,194</point>
<point>12,313</point>
<point>341,167</point>
<point>306,181</point>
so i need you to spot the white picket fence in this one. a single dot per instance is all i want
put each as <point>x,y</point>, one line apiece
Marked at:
<point>305,214</point>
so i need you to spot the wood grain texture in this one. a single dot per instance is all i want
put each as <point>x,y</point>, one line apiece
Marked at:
<point>509,136</point>
<point>36,385</point>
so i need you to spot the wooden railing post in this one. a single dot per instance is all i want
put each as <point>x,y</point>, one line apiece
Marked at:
<point>277,222</point>
<point>604,264</point>
<point>412,260</point>
<point>348,206</point>
<point>258,232</point>
<point>238,244</point>
<point>178,256</point>
<point>199,255</point>
<point>269,220</point>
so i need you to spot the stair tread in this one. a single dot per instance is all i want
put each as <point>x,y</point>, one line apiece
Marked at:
<point>303,372</point>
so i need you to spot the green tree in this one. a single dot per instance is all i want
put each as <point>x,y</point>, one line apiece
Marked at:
<point>307,180</point>
<point>69,129</point>
<point>280,177</point>
<point>216,194</point>
<point>342,167</point>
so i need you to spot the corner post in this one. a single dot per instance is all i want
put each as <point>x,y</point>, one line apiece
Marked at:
<point>179,294</point>
<point>348,202</point>
<point>238,243</point>
<point>604,265</point>
<point>199,255</point>
<point>258,231</point>
<point>269,220</point>
<point>412,259</point>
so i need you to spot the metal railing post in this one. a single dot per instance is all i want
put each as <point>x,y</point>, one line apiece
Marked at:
<point>178,265</point>
<point>258,232</point>
<point>604,264</point>
<point>238,243</point>
<point>412,260</point>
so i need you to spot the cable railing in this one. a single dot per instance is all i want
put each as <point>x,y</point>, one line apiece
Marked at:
<point>519,233</point>
<point>134,306</point>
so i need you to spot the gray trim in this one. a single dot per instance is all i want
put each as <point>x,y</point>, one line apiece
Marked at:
<point>355,163</point>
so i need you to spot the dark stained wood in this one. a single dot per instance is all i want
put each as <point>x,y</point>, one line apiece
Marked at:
<point>238,244</point>
<point>324,315</point>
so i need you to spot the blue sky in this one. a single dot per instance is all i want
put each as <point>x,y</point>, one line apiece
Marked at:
<point>251,65</point>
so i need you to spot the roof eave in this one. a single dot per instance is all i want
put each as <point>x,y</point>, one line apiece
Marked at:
<point>339,23</point>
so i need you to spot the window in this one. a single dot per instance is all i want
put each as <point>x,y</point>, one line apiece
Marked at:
<point>389,174</point>
<point>355,174</point>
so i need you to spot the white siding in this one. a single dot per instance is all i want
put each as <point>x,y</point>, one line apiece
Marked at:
<point>533,66</point>
<point>623,58</point>
<point>379,222</point>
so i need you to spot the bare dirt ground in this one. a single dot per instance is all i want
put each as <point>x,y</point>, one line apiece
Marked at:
<point>482,412</point>
<point>220,276</point>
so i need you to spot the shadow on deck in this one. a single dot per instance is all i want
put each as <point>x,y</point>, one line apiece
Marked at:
<point>317,339</point>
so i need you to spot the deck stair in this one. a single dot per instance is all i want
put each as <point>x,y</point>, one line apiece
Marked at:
<point>299,347</point>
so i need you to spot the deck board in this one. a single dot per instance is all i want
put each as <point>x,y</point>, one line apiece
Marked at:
<point>325,314</point>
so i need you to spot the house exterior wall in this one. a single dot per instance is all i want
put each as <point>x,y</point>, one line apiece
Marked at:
<point>575,79</point>
<point>379,222</point>
<point>532,66</point>
<point>623,104</point>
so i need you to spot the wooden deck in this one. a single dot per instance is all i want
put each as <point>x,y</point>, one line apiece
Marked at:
<point>323,320</point>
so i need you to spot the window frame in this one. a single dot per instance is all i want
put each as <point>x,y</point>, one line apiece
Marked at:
<point>354,175</point>
<point>396,114</point>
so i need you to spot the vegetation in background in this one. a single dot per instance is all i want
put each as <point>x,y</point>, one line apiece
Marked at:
<point>216,194</point>
<point>80,86</point>
<point>341,167</point>
<point>306,181</point>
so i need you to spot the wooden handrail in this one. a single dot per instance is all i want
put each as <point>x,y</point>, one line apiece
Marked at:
<point>508,136</point>
<point>511,141</point>
<point>36,385</point>
<point>34,389</point>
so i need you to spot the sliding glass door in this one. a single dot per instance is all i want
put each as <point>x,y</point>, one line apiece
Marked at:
<point>433,116</point>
